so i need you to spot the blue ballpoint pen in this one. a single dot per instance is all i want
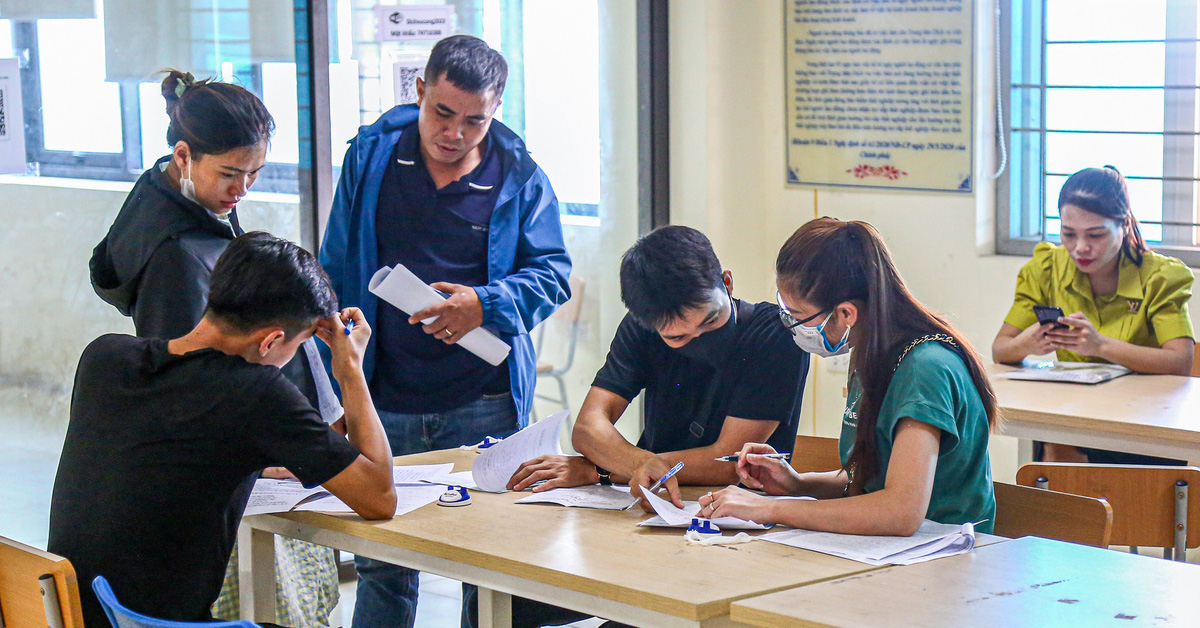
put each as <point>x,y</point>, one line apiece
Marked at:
<point>734,457</point>
<point>349,327</point>
<point>668,475</point>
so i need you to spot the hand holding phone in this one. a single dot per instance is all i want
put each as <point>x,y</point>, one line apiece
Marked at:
<point>1049,314</point>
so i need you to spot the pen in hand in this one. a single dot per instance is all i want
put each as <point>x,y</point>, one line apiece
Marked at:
<point>668,475</point>
<point>349,327</point>
<point>734,457</point>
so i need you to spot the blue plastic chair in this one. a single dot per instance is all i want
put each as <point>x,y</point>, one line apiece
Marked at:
<point>122,617</point>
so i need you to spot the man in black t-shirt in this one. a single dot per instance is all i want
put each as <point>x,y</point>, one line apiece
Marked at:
<point>166,438</point>
<point>717,372</point>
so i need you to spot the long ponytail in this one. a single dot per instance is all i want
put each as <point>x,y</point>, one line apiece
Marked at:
<point>827,262</point>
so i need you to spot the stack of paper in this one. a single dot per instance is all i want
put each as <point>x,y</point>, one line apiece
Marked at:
<point>932,540</point>
<point>1070,372</point>
<point>594,496</point>
<point>496,465</point>
<point>671,517</point>
<point>271,496</point>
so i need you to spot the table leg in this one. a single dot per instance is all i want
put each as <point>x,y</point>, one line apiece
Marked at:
<point>495,609</point>
<point>256,574</point>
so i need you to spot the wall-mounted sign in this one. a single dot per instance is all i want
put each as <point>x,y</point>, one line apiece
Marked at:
<point>426,22</point>
<point>406,69</point>
<point>879,94</point>
<point>12,124</point>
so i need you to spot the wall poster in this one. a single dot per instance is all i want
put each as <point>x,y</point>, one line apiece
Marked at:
<point>879,94</point>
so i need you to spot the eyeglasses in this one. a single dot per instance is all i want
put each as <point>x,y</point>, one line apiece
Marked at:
<point>785,315</point>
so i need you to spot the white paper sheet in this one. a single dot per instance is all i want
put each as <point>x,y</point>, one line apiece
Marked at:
<point>283,495</point>
<point>593,496</point>
<point>458,478</point>
<point>495,466</point>
<point>401,288</point>
<point>271,495</point>
<point>409,497</point>
<point>932,540</point>
<point>671,517</point>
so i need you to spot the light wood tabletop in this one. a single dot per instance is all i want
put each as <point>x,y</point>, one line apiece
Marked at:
<point>1156,415</point>
<point>595,561</point>
<point>1027,582</point>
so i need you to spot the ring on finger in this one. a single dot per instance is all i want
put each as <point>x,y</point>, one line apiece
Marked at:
<point>448,332</point>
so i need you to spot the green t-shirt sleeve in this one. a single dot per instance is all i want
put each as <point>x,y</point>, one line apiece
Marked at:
<point>1033,286</point>
<point>1168,291</point>
<point>924,389</point>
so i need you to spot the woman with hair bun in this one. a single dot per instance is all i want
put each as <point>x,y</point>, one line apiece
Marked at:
<point>1126,304</point>
<point>155,263</point>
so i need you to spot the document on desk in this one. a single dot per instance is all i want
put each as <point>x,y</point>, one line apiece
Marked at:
<point>409,497</point>
<point>495,466</point>
<point>271,495</point>
<point>594,496</point>
<point>286,495</point>
<point>668,516</point>
<point>932,540</point>
<point>458,478</point>
<point>404,290</point>
<point>1069,372</point>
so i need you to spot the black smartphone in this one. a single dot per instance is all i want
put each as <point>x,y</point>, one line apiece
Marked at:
<point>1047,314</point>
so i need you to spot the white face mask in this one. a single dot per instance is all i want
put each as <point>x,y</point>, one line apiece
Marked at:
<point>813,340</point>
<point>186,187</point>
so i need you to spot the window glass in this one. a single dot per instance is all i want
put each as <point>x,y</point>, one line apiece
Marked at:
<point>81,111</point>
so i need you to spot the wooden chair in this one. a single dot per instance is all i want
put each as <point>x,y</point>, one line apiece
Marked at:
<point>1023,511</point>
<point>815,453</point>
<point>22,602</point>
<point>1195,361</point>
<point>1150,504</point>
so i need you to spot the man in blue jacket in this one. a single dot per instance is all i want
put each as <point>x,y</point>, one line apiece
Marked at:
<point>455,198</point>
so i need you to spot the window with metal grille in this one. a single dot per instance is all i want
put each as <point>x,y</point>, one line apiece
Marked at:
<point>1093,82</point>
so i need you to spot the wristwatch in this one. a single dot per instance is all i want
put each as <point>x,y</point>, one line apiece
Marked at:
<point>605,476</point>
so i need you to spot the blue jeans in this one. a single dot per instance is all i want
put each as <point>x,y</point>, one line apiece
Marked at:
<point>387,593</point>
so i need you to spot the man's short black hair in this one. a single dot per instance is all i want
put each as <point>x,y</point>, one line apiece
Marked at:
<point>469,63</point>
<point>668,271</point>
<point>264,281</point>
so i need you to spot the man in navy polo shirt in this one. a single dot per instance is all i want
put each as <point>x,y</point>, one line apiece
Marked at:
<point>456,198</point>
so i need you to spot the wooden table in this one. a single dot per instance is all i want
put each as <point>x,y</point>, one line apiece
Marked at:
<point>1156,415</point>
<point>593,561</point>
<point>1026,582</point>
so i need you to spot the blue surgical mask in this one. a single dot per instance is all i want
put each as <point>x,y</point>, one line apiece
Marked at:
<point>813,340</point>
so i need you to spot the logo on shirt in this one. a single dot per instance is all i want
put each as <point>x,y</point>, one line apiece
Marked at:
<point>850,418</point>
<point>1133,306</point>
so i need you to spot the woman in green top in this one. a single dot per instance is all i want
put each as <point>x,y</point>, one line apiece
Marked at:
<point>1127,304</point>
<point>920,408</point>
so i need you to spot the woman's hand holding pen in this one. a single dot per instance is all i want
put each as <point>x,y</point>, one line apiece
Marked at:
<point>770,475</point>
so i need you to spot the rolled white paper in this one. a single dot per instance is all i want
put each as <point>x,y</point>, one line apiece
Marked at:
<point>404,290</point>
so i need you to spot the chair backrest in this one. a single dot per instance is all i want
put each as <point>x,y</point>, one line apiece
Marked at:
<point>815,453</point>
<point>1195,361</point>
<point>1024,511</point>
<point>569,312</point>
<point>1142,497</point>
<point>21,603</point>
<point>122,617</point>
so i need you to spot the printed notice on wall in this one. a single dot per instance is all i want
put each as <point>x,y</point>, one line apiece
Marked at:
<point>411,22</point>
<point>12,124</point>
<point>879,94</point>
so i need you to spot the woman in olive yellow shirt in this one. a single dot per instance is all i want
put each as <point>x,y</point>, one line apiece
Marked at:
<point>1127,304</point>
